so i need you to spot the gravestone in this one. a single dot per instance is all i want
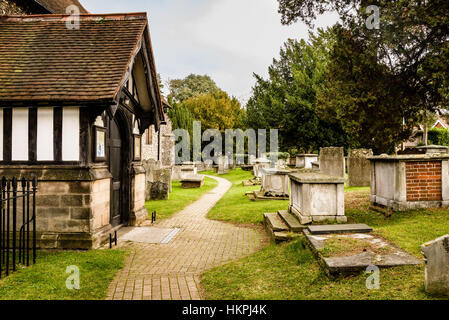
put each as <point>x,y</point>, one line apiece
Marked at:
<point>158,180</point>
<point>316,197</point>
<point>261,163</point>
<point>359,167</point>
<point>436,254</point>
<point>223,165</point>
<point>406,182</point>
<point>305,161</point>
<point>332,162</point>
<point>275,182</point>
<point>193,182</point>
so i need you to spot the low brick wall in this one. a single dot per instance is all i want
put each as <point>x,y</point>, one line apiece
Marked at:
<point>424,181</point>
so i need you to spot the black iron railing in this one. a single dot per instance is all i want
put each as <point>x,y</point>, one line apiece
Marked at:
<point>17,223</point>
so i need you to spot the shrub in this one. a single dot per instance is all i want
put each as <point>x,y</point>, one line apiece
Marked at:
<point>439,136</point>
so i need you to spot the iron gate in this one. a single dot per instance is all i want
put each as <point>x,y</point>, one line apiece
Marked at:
<point>17,223</point>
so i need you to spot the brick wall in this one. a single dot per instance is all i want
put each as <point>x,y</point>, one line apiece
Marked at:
<point>424,181</point>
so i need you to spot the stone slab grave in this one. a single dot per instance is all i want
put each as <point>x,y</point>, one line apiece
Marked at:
<point>274,185</point>
<point>316,197</point>
<point>305,160</point>
<point>359,167</point>
<point>151,235</point>
<point>436,254</point>
<point>339,228</point>
<point>345,253</point>
<point>193,182</point>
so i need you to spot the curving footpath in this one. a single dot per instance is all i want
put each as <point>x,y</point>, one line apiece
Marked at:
<point>171,271</point>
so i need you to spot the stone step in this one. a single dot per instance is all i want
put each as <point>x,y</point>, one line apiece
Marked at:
<point>283,236</point>
<point>275,223</point>
<point>339,228</point>
<point>291,221</point>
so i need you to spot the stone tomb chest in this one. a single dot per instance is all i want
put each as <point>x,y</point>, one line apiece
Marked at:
<point>261,163</point>
<point>410,181</point>
<point>305,160</point>
<point>315,197</point>
<point>275,182</point>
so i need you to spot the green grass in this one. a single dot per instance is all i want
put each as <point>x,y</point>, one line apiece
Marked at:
<point>408,230</point>
<point>46,280</point>
<point>235,205</point>
<point>179,199</point>
<point>290,272</point>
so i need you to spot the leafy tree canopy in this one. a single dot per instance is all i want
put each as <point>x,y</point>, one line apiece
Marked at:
<point>190,87</point>
<point>216,110</point>
<point>287,100</point>
<point>380,78</point>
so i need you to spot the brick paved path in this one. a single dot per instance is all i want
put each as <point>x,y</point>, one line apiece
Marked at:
<point>171,271</point>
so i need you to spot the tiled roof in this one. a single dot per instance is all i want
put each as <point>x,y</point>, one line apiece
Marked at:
<point>60,6</point>
<point>42,60</point>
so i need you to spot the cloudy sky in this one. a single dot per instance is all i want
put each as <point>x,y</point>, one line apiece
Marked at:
<point>226,39</point>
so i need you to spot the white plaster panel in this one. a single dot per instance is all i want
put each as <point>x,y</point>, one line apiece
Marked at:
<point>20,134</point>
<point>70,134</point>
<point>45,134</point>
<point>1,134</point>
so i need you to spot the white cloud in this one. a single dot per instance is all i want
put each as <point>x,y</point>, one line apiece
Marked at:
<point>226,39</point>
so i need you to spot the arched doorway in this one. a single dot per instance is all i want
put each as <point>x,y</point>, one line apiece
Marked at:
<point>119,159</point>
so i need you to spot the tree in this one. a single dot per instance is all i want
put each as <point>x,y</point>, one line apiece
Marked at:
<point>380,78</point>
<point>190,87</point>
<point>287,100</point>
<point>216,110</point>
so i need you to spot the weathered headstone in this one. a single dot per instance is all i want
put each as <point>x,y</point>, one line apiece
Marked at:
<point>359,167</point>
<point>332,162</point>
<point>436,254</point>
<point>158,180</point>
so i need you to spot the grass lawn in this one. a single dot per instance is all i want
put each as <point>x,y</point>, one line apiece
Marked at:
<point>235,206</point>
<point>46,280</point>
<point>179,199</point>
<point>290,272</point>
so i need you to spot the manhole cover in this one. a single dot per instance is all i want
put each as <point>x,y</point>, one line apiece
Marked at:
<point>148,235</point>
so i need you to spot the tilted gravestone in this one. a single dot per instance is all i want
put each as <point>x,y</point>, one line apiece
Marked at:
<point>359,167</point>
<point>436,253</point>
<point>332,162</point>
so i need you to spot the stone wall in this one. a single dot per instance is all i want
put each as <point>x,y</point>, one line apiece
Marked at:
<point>423,181</point>
<point>72,205</point>
<point>359,168</point>
<point>138,211</point>
<point>151,146</point>
<point>332,162</point>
